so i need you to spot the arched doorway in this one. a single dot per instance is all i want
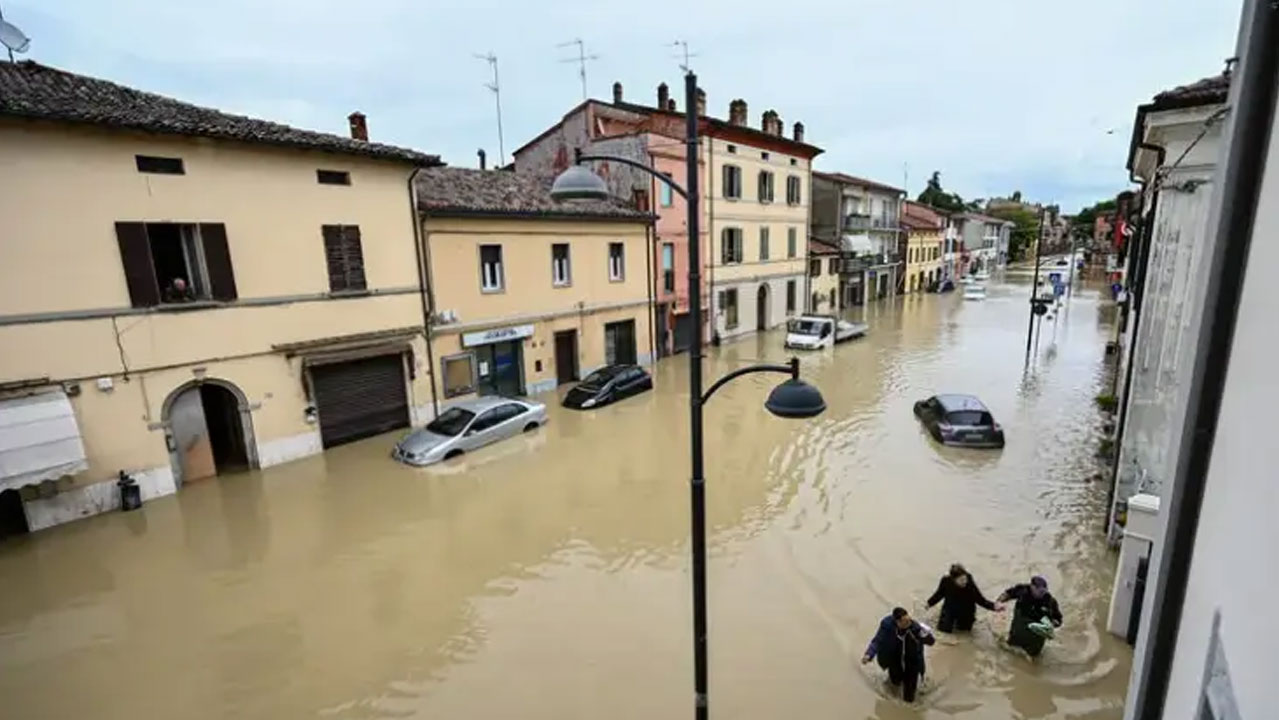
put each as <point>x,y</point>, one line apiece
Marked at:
<point>761,308</point>
<point>209,430</point>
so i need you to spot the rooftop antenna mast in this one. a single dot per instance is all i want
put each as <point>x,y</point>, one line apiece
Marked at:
<point>683,45</point>
<point>12,38</point>
<point>581,60</point>
<point>496,88</point>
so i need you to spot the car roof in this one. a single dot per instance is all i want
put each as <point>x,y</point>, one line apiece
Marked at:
<point>480,404</point>
<point>960,402</point>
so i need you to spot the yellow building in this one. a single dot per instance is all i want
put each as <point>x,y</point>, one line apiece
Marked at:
<point>823,278</point>
<point>924,240</point>
<point>529,293</point>
<point>757,205</point>
<point>185,292</point>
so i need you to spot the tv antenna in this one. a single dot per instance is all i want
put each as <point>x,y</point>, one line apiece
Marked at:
<point>683,45</point>
<point>12,38</point>
<point>496,88</point>
<point>581,60</point>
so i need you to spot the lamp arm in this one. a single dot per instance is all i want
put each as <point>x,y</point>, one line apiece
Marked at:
<point>580,158</point>
<point>791,368</point>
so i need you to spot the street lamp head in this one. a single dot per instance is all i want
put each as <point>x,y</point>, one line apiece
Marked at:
<point>579,183</point>
<point>795,399</point>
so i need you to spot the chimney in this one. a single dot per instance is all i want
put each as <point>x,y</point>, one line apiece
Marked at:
<point>737,112</point>
<point>483,159</point>
<point>359,126</point>
<point>779,127</point>
<point>663,96</point>
<point>799,132</point>
<point>701,102</point>
<point>670,104</point>
<point>768,122</point>
<point>617,93</point>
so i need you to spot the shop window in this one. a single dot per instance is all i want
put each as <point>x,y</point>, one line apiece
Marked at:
<point>458,374</point>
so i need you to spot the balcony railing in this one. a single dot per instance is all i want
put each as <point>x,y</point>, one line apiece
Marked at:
<point>857,223</point>
<point>855,263</point>
<point>885,223</point>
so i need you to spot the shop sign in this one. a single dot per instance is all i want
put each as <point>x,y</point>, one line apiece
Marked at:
<point>495,335</point>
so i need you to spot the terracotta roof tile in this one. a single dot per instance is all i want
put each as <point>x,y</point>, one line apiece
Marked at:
<point>32,90</point>
<point>860,182</point>
<point>445,191</point>
<point>1207,91</point>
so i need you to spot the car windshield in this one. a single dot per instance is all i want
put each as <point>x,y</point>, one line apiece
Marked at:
<point>600,377</point>
<point>805,327</point>
<point>968,417</point>
<point>451,422</point>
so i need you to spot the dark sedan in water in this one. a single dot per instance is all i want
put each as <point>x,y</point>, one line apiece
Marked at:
<point>959,420</point>
<point>608,384</point>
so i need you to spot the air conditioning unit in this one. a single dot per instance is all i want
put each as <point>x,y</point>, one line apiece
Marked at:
<point>445,317</point>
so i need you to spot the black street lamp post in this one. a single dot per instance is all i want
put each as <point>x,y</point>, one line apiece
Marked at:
<point>793,398</point>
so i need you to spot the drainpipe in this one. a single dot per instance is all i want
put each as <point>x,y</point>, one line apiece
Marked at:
<point>1138,258</point>
<point>649,233</point>
<point>1253,114</point>
<point>423,284</point>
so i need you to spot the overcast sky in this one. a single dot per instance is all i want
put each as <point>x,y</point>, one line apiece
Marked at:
<point>998,95</point>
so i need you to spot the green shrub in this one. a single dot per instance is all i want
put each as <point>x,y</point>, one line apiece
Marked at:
<point>1106,402</point>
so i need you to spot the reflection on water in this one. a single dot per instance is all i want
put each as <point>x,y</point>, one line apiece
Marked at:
<point>546,577</point>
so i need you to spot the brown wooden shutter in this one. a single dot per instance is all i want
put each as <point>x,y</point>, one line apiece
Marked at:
<point>334,257</point>
<point>139,272</point>
<point>217,260</point>
<point>354,252</point>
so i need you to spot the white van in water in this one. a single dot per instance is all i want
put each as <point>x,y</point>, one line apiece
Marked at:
<point>809,332</point>
<point>975,292</point>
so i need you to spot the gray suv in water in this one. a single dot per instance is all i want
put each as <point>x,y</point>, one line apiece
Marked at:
<point>959,420</point>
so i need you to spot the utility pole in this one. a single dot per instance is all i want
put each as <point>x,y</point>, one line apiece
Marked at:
<point>581,60</point>
<point>496,89</point>
<point>1034,284</point>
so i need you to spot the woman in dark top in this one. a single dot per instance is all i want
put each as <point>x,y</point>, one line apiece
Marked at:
<point>959,595</point>
<point>1035,607</point>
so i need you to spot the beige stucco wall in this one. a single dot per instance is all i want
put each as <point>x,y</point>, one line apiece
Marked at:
<point>822,285</point>
<point>529,296</point>
<point>922,244</point>
<point>65,310</point>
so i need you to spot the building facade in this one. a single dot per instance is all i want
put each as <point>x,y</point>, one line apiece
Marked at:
<point>823,278</point>
<point>862,217</point>
<point>1165,270</point>
<point>191,293</point>
<point>985,240</point>
<point>923,228</point>
<point>528,293</point>
<point>753,215</point>
<point>953,255</point>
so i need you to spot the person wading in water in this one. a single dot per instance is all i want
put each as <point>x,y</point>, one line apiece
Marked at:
<point>899,646</point>
<point>1035,616</point>
<point>959,595</point>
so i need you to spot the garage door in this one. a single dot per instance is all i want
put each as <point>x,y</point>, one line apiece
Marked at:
<point>359,398</point>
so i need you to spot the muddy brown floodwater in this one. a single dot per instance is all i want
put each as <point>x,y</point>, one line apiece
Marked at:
<point>547,577</point>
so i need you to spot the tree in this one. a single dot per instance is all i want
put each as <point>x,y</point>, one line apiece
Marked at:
<point>1025,230</point>
<point>934,196</point>
<point>1016,196</point>
<point>1087,218</point>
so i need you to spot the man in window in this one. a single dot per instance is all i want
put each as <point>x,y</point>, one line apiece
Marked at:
<point>178,291</point>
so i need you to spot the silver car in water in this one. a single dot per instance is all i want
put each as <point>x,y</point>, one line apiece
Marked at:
<point>469,425</point>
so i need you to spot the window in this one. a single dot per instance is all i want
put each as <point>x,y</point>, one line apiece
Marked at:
<point>765,186</point>
<point>665,195</point>
<point>345,257</point>
<point>333,177</point>
<point>728,300</point>
<point>815,267</point>
<point>491,277</point>
<point>790,297</point>
<point>458,374</point>
<point>160,165</point>
<point>486,420</point>
<point>668,267</point>
<point>175,262</point>
<point>732,181</point>
<point>616,262</point>
<point>791,242</point>
<point>815,301</point>
<point>763,155</point>
<point>763,243</point>
<point>561,275</point>
<point>731,246</point>
<point>793,162</point>
<point>792,190</point>
<point>732,148</point>
<point>832,266</point>
<point>639,199</point>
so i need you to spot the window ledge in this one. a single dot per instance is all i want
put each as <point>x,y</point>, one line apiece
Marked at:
<point>492,291</point>
<point>732,199</point>
<point>192,305</point>
<point>339,294</point>
<point>559,285</point>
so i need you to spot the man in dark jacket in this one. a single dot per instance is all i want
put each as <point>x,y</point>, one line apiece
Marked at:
<point>899,646</point>
<point>959,595</point>
<point>1034,616</point>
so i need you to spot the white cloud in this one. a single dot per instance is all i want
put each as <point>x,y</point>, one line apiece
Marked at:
<point>997,94</point>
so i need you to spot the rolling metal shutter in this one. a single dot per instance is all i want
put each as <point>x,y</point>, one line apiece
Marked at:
<point>359,398</point>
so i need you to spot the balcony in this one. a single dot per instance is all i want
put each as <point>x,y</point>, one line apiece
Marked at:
<point>855,263</point>
<point>857,223</point>
<point>884,223</point>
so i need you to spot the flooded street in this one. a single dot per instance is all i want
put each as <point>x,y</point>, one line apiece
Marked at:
<point>547,577</point>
